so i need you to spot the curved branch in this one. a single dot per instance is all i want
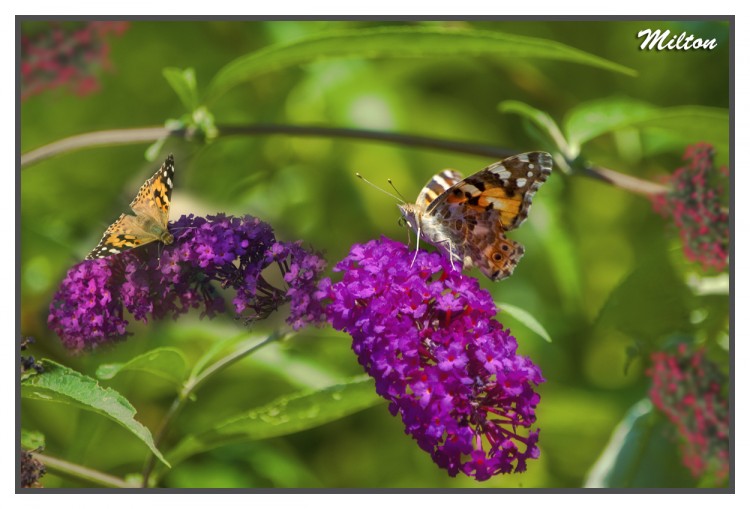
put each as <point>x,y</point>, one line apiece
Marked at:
<point>623,181</point>
<point>364,134</point>
<point>151,134</point>
<point>96,139</point>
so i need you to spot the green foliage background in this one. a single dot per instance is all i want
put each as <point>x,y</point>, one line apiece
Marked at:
<point>602,272</point>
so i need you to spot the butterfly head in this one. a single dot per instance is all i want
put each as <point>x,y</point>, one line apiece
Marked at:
<point>166,237</point>
<point>410,215</point>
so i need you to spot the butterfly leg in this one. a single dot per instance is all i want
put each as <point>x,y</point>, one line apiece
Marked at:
<point>451,255</point>
<point>416,251</point>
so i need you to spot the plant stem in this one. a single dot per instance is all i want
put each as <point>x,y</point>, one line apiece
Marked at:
<point>96,139</point>
<point>151,134</point>
<point>80,472</point>
<point>627,182</point>
<point>191,385</point>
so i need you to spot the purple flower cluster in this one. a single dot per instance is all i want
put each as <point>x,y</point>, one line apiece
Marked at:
<point>426,333</point>
<point>65,54</point>
<point>216,251</point>
<point>695,204</point>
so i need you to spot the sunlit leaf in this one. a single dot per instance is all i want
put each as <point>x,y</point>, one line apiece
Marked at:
<point>689,124</point>
<point>525,318</point>
<point>284,416</point>
<point>166,363</point>
<point>399,42</point>
<point>59,384</point>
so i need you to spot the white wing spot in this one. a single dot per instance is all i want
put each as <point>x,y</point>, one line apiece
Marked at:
<point>169,183</point>
<point>165,173</point>
<point>520,182</point>
<point>523,158</point>
<point>441,182</point>
<point>531,166</point>
<point>504,175</point>
<point>530,174</point>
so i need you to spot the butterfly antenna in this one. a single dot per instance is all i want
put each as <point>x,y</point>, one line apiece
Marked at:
<point>399,198</point>
<point>390,182</point>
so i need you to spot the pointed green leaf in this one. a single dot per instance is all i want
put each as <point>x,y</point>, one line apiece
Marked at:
<point>398,42</point>
<point>284,416</point>
<point>184,84</point>
<point>639,455</point>
<point>60,384</point>
<point>167,363</point>
<point>542,121</point>
<point>525,318</point>
<point>561,249</point>
<point>153,150</point>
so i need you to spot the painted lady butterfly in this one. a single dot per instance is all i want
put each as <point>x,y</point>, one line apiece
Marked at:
<point>468,218</point>
<point>151,207</point>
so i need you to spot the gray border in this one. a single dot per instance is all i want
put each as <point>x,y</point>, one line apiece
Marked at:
<point>730,18</point>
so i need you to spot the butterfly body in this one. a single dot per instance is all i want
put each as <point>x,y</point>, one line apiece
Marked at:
<point>467,218</point>
<point>149,224</point>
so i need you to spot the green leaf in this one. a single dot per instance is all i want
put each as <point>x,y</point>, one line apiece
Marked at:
<point>167,363</point>
<point>650,302</point>
<point>525,318</point>
<point>32,440</point>
<point>284,416</point>
<point>639,454</point>
<point>681,124</point>
<point>184,84</point>
<point>541,120</point>
<point>591,119</point>
<point>60,384</point>
<point>398,42</point>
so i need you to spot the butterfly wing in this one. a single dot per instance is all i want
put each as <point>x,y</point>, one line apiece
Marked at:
<point>155,195</point>
<point>151,206</point>
<point>481,208</point>
<point>507,187</point>
<point>125,233</point>
<point>437,185</point>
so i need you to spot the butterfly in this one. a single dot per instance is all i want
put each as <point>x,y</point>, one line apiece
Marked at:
<point>151,207</point>
<point>468,218</point>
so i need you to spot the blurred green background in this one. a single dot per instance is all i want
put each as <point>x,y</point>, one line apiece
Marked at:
<point>583,238</point>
